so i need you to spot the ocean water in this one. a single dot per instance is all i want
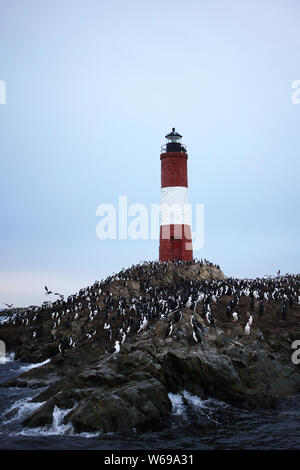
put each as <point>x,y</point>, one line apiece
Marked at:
<point>193,424</point>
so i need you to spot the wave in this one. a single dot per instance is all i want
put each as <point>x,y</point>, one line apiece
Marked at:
<point>184,402</point>
<point>34,366</point>
<point>178,406</point>
<point>10,357</point>
<point>20,409</point>
<point>57,428</point>
<point>24,407</point>
<point>6,358</point>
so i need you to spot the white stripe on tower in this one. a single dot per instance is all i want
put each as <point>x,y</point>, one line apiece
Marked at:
<point>174,205</point>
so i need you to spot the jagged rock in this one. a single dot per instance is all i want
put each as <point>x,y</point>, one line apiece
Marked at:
<point>112,392</point>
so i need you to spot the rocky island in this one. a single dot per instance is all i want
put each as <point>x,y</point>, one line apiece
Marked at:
<point>113,352</point>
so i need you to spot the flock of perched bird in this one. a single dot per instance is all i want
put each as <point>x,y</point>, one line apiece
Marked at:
<point>126,303</point>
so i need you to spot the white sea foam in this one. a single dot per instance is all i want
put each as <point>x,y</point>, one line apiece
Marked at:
<point>20,409</point>
<point>194,400</point>
<point>10,357</point>
<point>89,435</point>
<point>57,427</point>
<point>62,430</point>
<point>207,407</point>
<point>57,424</point>
<point>34,366</point>
<point>178,407</point>
<point>207,403</point>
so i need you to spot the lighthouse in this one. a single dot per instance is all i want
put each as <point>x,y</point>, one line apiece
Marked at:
<point>175,229</point>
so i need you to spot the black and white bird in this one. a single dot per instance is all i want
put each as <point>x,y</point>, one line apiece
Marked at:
<point>48,292</point>
<point>177,316</point>
<point>228,311</point>
<point>143,324</point>
<point>235,317</point>
<point>169,329</point>
<point>196,329</point>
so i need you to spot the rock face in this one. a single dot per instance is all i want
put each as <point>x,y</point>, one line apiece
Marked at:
<point>35,334</point>
<point>114,391</point>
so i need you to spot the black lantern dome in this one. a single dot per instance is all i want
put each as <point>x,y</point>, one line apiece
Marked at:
<point>173,142</point>
<point>173,136</point>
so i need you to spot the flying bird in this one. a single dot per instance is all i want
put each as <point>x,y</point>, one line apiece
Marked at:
<point>60,295</point>
<point>9,306</point>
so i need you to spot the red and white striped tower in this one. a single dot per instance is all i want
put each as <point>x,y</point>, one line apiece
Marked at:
<point>175,230</point>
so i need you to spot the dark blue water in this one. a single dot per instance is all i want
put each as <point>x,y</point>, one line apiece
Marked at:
<point>194,424</point>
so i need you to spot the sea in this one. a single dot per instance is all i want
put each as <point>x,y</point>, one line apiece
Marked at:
<point>194,424</point>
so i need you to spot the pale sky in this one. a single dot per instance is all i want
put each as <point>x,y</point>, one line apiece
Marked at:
<point>92,87</point>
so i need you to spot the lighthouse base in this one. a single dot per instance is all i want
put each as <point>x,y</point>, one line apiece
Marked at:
<point>175,243</point>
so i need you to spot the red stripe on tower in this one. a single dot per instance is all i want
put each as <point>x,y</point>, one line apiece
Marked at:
<point>175,229</point>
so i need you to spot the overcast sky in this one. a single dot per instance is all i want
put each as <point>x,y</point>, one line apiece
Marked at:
<point>93,86</point>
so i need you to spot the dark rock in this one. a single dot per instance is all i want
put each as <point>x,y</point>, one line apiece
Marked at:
<point>112,392</point>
